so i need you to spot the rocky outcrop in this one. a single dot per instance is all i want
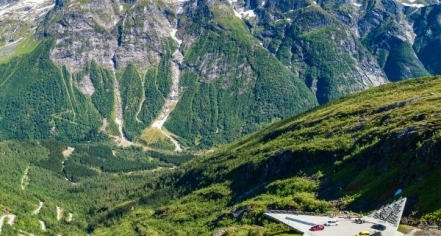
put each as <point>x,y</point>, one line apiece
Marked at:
<point>427,40</point>
<point>18,20</point>
<point>78,42</point>
<point>306,31</point>
<point>105,32</point>
<point>141,36</point>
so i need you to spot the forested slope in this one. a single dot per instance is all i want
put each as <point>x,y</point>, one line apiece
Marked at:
<point>71,187</point>
<point>217,69</point>
<point>353,153</point>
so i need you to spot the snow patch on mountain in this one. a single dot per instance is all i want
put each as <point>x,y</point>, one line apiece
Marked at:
<point>357,4</point>
<point>18,21</point>
<point>240,11</point>
<point>25,9</point>
<point>416,5</point>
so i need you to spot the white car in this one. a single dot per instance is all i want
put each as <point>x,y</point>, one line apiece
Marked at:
<point>331,222</point>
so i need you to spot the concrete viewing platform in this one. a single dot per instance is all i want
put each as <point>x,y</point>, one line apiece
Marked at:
<point>389,216</point>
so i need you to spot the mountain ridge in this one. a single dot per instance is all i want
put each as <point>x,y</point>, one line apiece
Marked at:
<point>268,60</point>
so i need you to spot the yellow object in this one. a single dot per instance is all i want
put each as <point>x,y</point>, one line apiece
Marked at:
<point>364,233</point>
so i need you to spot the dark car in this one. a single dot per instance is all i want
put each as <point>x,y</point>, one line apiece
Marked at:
<point>317,227</point>
<point>379,227</point>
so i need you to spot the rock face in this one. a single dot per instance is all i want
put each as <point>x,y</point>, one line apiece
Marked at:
<point>221,69</point>
<point>107,33</point>
<point>427,41</point>
<point>142,35</point>
<point>18,21</point>
<point>363,42</point>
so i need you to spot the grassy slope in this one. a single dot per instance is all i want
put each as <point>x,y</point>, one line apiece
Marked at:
<point>25,46</point>
<point>103,182</point>
<point>359,149</point>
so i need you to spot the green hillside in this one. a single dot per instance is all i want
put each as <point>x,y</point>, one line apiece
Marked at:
<point>240,87</point>
<point>161,117</point>
<point>351,154</point>
<point>40,101</point>
<point>359,149</point>
<point>93,183</point>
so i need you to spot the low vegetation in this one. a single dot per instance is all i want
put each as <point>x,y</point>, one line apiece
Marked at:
<point>95,183</point>
<point>357,150</point>
<point>353,153</point>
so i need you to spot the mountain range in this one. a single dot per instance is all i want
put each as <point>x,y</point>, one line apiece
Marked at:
<point>193,117</point>
<point>197,74</point>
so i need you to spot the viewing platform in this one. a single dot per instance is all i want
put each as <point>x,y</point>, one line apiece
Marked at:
<point>389,216</point>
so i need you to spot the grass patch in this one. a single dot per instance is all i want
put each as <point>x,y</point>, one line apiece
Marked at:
<point>405,229</point>
<point>25,46</point>
<point>152,135</point>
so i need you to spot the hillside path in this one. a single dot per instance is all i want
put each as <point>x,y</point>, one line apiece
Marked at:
<point>40,205</point>
<point>70,217</point>
<point>10,221</point>
<point>24,177</point>
<point>59,213</point>
<point>42,225</point>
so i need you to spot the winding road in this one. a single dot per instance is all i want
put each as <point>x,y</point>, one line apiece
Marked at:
<point>59,213</point>
<point>42,225</point>
<point>10,221</point>
<point>40,205</point>
<point>70,217</point>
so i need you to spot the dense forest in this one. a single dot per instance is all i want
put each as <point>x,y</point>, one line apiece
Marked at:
<point>93,183</point>
<point>359,144</point>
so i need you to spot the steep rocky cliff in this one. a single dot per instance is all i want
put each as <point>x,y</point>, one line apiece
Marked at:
<point>207,72</point>
<point>325,50</point>
<point>113,34</point>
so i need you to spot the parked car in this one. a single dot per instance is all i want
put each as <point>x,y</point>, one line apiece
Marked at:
<point>331,222</point>
<point>364,233</point>
<point>379,227</point>
<point>317,227</point>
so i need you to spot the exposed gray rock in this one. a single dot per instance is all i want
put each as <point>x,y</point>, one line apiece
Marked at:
<point>79,43</point>
<point>220,232</point>
<point>104,32</point>
<point>144,32</point>
<point>86,86</point>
